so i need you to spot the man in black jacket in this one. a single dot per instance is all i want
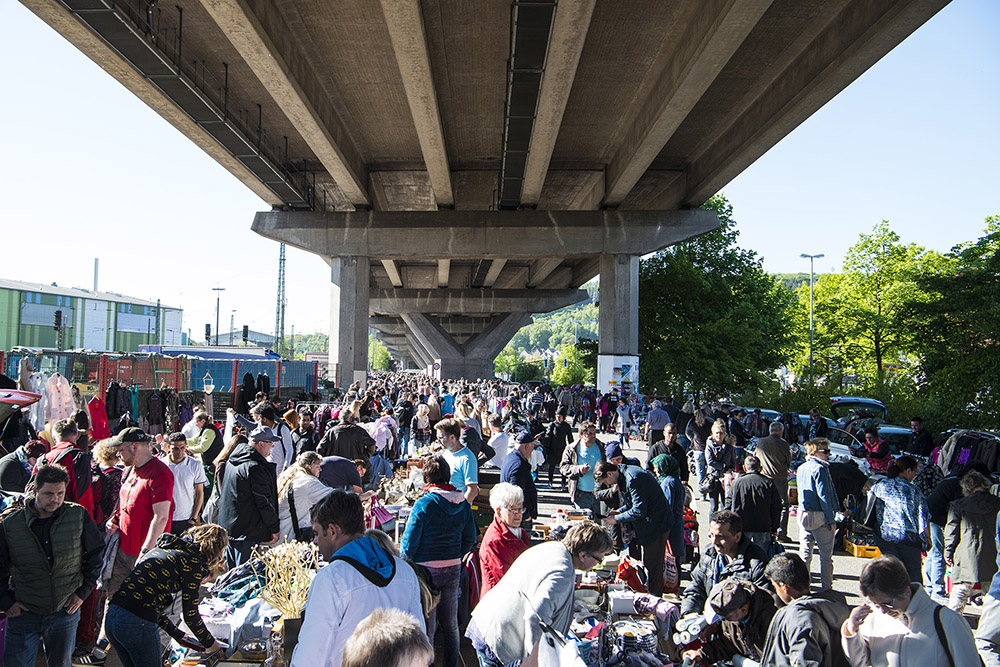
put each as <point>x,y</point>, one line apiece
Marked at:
<point>731,556</point>
<point>755,499</point>
<point>248,499</point>
<point>558,435</point>
<point>347,439</point>
<point>304,436</point>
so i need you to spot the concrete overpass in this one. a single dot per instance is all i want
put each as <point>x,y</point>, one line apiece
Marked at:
<point>461,165</point>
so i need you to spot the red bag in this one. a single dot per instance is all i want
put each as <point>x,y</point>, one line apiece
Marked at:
<point>671,573</point>
<point>632,573</point>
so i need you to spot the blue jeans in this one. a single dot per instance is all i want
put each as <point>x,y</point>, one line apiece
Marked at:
<point>136,640</point>
<point>585,500</point>
<point>701,466</point>
<point>57,633</point>
<point>487,659</point>
<point>446,613</point>
<point>934,565</point>
<point>239,551</point>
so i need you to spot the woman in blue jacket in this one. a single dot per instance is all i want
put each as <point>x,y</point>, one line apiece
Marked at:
<point>440,531</point>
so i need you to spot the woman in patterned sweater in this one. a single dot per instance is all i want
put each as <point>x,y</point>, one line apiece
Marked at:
<point>177,564</point>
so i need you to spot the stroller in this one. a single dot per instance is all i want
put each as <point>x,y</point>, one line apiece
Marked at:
<point>692,551</point>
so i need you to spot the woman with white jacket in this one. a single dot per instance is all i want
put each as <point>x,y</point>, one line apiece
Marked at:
<point>300,481</point>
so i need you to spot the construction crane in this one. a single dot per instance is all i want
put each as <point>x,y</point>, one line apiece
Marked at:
<point>279,315</point>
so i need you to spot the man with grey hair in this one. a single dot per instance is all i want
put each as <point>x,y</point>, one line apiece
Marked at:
<point>775,460</point>
<point>656,421</point>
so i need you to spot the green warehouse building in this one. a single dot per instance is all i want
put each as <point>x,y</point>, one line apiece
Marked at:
<point>98,321</point>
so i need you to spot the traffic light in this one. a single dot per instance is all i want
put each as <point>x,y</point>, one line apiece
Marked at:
<point>246,334</point>
<point>565,363</point>
<point>208,333</point>
<point>58,322</point>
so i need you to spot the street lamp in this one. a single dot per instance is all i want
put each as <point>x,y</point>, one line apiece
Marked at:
<point>811,259</point>
<point>218,293</point>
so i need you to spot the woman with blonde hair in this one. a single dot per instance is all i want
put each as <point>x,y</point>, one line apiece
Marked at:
<point>420,429</point>
<point>299,489</point>
<point>178,564</point>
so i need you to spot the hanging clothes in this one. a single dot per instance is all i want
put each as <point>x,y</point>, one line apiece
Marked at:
<point>185,412</point>
<point>133,393</point>
<point>209,407</point>
<point>99,429</point>
<point>58,398</point>
<point>36,385</point>
<point>243,395</point>
<point>263,384</point>
<point>170,410</point>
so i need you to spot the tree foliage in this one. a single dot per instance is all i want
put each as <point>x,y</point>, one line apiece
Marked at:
<point>955,331</point>
<point>378,355</point>
<point>860,313</point>
<point>567,369</point>
<point>710,318</point>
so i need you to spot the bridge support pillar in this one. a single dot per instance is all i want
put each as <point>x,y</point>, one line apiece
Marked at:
<point>349,296</point>
<point>618,323</point>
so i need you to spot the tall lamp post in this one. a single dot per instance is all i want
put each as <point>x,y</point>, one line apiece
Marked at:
<point>811,259</point>
<point>218,293</point>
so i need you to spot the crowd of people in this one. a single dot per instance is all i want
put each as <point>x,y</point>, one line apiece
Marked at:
<point>154,517</point>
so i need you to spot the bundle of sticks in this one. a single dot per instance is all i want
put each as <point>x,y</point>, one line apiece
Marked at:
<point>289,570</point>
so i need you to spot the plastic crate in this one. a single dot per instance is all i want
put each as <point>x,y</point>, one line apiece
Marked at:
<point>861,550</point>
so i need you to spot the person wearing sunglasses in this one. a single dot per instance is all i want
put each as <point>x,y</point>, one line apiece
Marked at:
<point>898,624</point>
<point>817,508</point>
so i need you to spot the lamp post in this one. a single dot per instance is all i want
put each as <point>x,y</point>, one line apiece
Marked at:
<point>811,259</point>
<point>218,293</point>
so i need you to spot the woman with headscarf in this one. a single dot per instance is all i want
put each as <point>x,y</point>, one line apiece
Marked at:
<point>667,472</point>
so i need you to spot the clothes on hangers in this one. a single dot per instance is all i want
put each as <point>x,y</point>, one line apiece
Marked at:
<point>58,398</point>
<point>99,428</point>
<point>36,384</point>
<point>24,371</point>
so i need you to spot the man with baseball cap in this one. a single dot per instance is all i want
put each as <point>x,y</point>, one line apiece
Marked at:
<point>743,612</point>
<point>145,508</point>
<point>248,498</point>
<point>517,470</point>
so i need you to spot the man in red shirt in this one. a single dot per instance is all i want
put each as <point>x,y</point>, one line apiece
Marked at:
<point>145,509</point>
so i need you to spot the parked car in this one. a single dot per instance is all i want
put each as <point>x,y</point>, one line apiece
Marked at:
<point>846,409</point>
<point>11,402</point>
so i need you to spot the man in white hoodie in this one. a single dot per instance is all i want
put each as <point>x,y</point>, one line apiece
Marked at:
<point>360,578</point>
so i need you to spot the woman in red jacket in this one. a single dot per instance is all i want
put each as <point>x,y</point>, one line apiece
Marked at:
<point>505,539</point>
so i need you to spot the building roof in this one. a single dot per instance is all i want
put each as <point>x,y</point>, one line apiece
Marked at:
<point>77,292</point>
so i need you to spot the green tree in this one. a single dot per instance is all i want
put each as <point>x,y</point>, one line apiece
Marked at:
<point>862,309</point>
<point>955,330</point>
<point>710,318</point>
<point>506,361</point>
<point>378,355</point>
<point>565,370</point>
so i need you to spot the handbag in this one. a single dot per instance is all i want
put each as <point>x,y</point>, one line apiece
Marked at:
<point>632,573</point>
<point>671,573</point>
<point>376,514</point>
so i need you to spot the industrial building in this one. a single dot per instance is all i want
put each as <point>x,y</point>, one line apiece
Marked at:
<point>90,320</point>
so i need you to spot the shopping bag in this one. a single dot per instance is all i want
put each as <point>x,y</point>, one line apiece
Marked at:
<point>376,514</point>
<point>671,572</point>
<point>632,573</point>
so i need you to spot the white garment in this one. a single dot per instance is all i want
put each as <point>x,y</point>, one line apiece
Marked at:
<point>283,452</point>
<point>500,442</point>
<point>308,491</point>
<point>24,371</point>
<point>187,474</point>
<point>340,597</point>
<point>911,640</point>
<point>37,410</point>
<point>58,398</point>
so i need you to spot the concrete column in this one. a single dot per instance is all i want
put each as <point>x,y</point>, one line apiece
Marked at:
<point>471,360</point>
<point>349,296</point>
<point>618,326</point>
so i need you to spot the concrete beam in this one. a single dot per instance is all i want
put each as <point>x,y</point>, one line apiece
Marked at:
<point>268,62</point>
<point>496,266</point>
<point>56,15</point>
<point>496,336</point>
<point>405,22</point>
<point>483,234</point>
<point>409,301</point>
<point>812,74</point>
<point>541,268</point>
<point>392,269</point>
<point>444,269</point>
<point>710,43</point>
<point>435,340</point>
<point>569,32</point>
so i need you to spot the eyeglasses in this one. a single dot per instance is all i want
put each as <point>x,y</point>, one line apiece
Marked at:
<point>822,451</point>
<point>599,559</point>
<point>888,605</point>
<point>515,510</point>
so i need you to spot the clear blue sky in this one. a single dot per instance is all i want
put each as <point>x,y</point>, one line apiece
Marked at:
<point>90,171</point>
